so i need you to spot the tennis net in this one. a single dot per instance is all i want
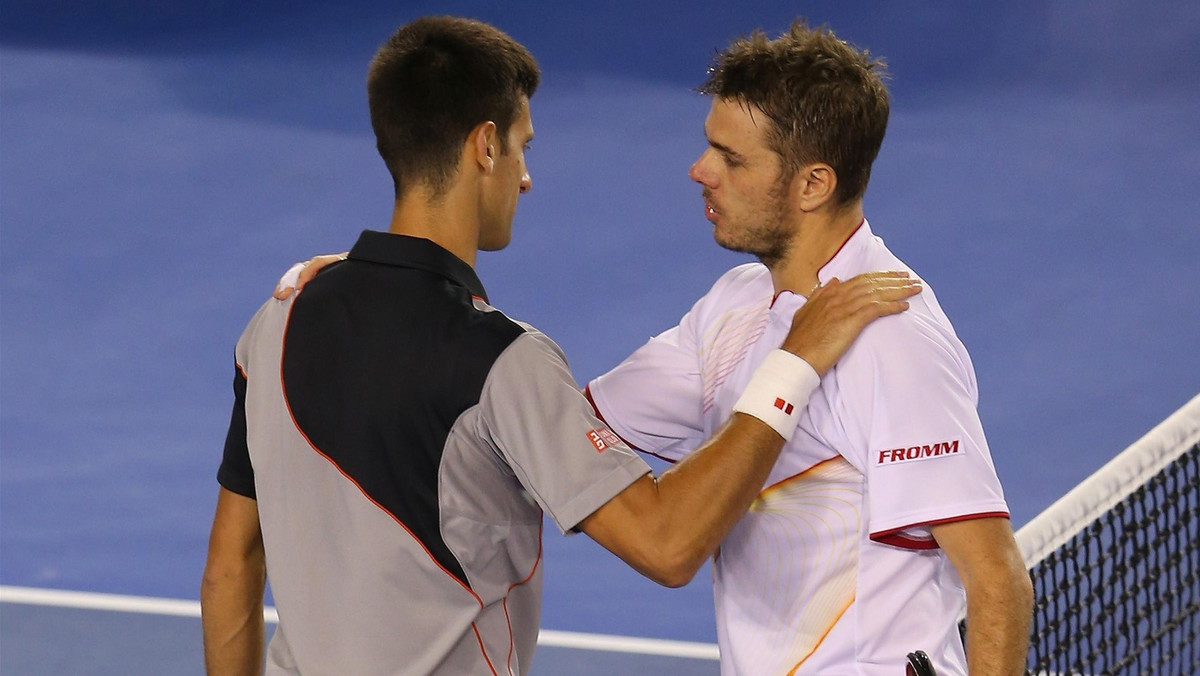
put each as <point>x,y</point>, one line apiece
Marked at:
<point>1116,562</point>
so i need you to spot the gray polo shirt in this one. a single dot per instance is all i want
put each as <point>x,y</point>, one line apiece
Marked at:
<point>402,439</point>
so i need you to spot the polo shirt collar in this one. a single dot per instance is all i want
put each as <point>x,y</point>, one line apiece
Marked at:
<point>841,265</point>
<point>845,257</point>
<point>416,252</point>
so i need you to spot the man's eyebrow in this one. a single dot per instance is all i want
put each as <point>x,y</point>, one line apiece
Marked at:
<point>725,149</point>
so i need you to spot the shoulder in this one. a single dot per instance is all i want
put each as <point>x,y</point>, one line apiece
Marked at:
<point>748,278</point>
<point>519,342</point>
<point>744,288</point>
<point>915,348</point>
<point>265,327</point>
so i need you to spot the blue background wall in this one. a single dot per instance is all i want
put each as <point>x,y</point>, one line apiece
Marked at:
<point>162,163</point>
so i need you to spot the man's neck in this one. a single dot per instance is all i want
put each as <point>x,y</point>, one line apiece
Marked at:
<point>450,222</point>
<point>818,239</point>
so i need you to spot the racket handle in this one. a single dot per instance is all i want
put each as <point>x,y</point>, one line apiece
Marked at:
<point>919,664</point>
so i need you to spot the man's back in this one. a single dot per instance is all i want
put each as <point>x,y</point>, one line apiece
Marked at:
<point>352,397</point>
<point>389,475</point>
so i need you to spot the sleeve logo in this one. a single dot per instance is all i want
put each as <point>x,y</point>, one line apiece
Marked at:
<point>602,438</point>
<point>892,456</point>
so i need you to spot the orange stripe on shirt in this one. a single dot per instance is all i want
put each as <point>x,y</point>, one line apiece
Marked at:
<point>822,639</point>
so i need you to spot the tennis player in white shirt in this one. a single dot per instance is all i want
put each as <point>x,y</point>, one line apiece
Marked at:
<point>884,512</point>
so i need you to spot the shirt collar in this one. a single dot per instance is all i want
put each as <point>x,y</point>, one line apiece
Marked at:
<point>785,303</point>
<point>845,254</point>
<point>418,253</point>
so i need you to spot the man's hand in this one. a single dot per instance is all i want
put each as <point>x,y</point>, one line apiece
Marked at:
<point>299,274</point>
<point>823,329</point>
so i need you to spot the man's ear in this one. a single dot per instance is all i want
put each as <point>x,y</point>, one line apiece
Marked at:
<point>814,185</point>
<point>481,146</point>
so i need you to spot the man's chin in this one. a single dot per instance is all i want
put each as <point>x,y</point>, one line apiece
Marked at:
<point>730,243</point>
<point>767,255</point>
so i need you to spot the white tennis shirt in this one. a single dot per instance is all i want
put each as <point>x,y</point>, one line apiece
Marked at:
<point>833,570</point>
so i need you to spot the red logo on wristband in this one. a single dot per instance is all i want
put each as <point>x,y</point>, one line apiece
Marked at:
<point>784,406</point>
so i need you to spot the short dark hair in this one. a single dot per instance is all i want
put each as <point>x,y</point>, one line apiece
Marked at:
<point>434,81</point>
<point>825,98</point>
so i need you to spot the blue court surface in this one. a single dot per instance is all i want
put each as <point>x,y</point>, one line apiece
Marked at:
<point>162,163</point>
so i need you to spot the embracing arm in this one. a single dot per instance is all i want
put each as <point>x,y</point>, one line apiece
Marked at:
<point>999,593</point>
<point>667,527</point>
<point>231,595</point>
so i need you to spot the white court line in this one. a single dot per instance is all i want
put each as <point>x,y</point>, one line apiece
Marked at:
<point>181,608</point>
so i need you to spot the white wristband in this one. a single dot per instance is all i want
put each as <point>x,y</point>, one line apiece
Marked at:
<point>778,391</point>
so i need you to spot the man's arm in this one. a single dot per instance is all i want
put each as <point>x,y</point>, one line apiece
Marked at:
<point>999,593</point>
<point>231,595</point>
<point>667,527</point>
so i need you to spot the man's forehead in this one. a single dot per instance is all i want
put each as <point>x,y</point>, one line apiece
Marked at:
<point>523,122</point>
<point>735,118</point>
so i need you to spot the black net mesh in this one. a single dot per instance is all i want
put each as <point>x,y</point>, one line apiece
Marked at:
<point>1123,595</point>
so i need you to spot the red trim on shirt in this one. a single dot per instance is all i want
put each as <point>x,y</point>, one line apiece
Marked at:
<point>587,393</point>
<point>483,649</point>
<point>897,538</point>
<point>843,244</point>
<point>827,262</point>
<point>518,584</point>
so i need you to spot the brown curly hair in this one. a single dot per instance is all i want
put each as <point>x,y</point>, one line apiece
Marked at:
<point>825,98</point>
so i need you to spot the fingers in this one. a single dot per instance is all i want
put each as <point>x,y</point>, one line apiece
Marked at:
<point>315,265</point>
<point>302,273</point>
<point>872,295</point>
<point>835,314</point>
<point>287,283</point>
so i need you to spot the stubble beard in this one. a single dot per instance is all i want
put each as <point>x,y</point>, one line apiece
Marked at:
<point>768,236</point>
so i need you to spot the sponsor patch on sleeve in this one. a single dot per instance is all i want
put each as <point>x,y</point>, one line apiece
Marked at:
<point>602,438</point>
<point>941,449</point>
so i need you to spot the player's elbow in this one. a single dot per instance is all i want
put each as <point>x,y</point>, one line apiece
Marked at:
<point>671,565</point>
<point>1022,590</point>
<point>225,574</point>
<point>216,580</point>
<point>670,577</point>
<point>1017,581</point>
<point>676,576</point>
